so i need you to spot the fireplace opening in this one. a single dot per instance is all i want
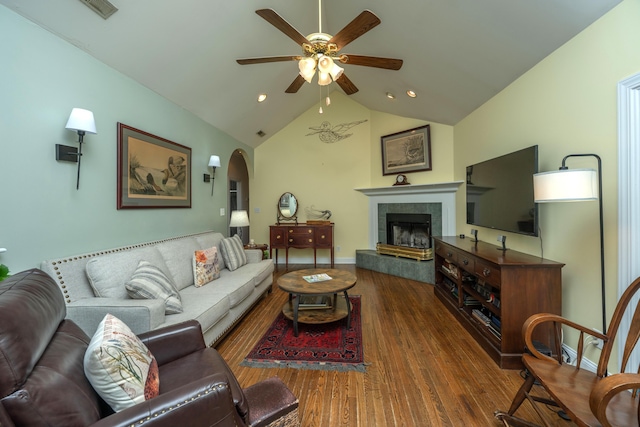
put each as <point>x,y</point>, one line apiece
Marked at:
<point>409,230</point>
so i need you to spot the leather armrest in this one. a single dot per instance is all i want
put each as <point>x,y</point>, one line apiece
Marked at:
<point>5,421</point>
<point>206,402</point>
<point>175,341</point>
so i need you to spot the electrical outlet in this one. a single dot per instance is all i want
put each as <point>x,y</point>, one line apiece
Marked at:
<point>598,342</point>
<point>337,248</point>
<point>256,210</point>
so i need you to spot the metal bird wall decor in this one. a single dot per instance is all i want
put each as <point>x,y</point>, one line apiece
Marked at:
<point>330,134</point>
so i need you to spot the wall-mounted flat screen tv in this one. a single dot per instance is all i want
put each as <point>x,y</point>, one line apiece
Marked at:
<point>500,192</point>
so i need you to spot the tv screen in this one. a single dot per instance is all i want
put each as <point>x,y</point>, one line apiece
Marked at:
<point>500,192</point>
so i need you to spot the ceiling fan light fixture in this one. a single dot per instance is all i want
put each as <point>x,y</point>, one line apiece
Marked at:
<point>323,78</point>
<point>325,64</point>
<point>307,68</point>
<point>336,71</point>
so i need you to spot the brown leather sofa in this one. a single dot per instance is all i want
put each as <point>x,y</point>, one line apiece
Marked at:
<point>42,380</point>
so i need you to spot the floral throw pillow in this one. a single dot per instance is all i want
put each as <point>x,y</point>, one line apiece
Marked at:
<point>119,366</point>
<point>206,266</point>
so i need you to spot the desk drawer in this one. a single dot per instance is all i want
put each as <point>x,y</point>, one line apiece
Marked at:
<point>277,237</point>
<point>488,272</point>
<point>447,252</point>
<point>324,237</point>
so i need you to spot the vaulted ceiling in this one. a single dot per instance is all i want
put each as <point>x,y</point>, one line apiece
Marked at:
<point>457,53</point>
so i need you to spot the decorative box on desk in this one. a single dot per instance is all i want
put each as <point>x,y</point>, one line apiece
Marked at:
<point>301,236</point>
<point>492,292</point>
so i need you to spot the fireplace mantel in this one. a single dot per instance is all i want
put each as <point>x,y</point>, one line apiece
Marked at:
<point>443,193</point>
<point>441,187</point>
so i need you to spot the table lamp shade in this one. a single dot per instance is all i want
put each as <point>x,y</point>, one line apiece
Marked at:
<point>565,185</point>
<point>239,219</point>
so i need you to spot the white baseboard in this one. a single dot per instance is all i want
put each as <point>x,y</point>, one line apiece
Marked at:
<point>586,363</point>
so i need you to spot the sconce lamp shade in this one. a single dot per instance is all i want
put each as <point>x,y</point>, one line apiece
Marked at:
<point>214,161</point>
<point>565,185</point>
<point>239,219</point>
<point>81,120</point>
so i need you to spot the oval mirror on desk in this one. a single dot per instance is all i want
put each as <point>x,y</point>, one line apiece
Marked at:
<point>287,208</point>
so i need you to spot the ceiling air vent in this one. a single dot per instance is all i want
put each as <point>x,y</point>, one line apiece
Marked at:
<point>101,7</point>
<point>260,133</point>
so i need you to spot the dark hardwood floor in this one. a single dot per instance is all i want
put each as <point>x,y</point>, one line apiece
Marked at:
<point>423,369</point>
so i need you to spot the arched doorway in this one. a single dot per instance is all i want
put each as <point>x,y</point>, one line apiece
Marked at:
<point>238,176</point>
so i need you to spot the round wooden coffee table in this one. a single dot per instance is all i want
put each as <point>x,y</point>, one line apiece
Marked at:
<point>298,288</point>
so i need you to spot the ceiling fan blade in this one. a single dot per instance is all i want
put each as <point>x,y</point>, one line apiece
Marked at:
<point>248,61</point>
<point>354,29</point>
<point>346,85</point>
<point>272,17</point>
<point>372,61</point>
<point>296,85</point>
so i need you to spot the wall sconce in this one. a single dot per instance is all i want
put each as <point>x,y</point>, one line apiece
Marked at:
<point>214,162</point>
<point>81,121</point>
<point>575,185</point>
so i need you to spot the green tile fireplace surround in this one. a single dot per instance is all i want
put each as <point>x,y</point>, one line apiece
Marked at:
<point>421,271</point>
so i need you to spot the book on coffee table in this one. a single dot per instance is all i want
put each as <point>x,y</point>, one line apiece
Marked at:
<point>317,278</point>
<point>308,302</point>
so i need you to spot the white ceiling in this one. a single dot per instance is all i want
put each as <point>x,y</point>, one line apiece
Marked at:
<point>457,53</point>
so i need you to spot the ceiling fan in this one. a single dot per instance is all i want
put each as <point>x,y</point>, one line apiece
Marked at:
<point>322,50</point>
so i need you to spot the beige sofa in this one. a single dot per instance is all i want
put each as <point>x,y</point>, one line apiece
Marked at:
<point>218,305</point>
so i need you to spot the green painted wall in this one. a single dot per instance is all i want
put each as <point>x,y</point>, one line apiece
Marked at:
<point>42,215</point>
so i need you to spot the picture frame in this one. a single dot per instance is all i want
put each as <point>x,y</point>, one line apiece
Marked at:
<point>406,151</point>
<point>153,172</point>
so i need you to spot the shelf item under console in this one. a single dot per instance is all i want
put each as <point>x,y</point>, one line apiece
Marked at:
<point>492,292</point>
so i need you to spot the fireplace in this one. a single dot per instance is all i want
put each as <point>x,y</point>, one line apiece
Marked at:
<point>409,229</point>
<point>437,200</point>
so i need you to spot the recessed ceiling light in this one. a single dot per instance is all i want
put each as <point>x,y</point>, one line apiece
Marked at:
<point>390,95</point>
<point>262,97</point>
<point>411,93</point>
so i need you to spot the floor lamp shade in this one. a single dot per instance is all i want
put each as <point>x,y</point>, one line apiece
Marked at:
<point>565,185</point>
<point>574,185</point>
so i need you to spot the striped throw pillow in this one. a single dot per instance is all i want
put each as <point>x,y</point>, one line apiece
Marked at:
<point>149,282</point>
<point>233,252</point>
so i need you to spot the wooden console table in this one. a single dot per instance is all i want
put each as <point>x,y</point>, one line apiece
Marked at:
<point>492,292</point>
<point>301,236</point>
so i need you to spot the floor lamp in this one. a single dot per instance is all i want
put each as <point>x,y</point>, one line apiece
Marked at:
<point>575,185</point>
<point>239,219</point>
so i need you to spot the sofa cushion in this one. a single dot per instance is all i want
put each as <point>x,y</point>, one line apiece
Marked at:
<point>205,304</point>
<point>208,240</point>
<point>149,282</point>
<point>120,367</point>
<point>233,252</point>
<point>238,285</point>
<point>108,273</point>
<point>206,267</point>
<point>177,255</point>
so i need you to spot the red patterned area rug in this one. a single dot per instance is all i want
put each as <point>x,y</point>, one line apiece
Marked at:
<point>327,346</point>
